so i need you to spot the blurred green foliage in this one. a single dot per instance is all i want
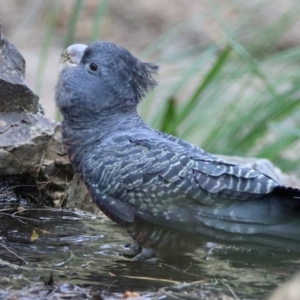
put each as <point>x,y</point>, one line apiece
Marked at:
<point>246,98</point>
<point>236,96</point>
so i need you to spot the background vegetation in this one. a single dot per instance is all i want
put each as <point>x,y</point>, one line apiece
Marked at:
<point>234,92</point>
<point>246,101</point>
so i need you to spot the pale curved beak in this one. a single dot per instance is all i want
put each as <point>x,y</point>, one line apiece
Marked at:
<point>71,57</point>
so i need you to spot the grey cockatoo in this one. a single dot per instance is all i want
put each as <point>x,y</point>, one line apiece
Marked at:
<point>168,193</point>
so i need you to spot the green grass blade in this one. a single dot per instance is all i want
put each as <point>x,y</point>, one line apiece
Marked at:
<point>214,71</point>
<point>99,18</point>
<point>50,31</point>
<point>169,121</point>
<point>77,6</point>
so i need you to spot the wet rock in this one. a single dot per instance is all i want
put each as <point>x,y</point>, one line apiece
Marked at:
<point>79,197</point>
<point>31,144</point>
<point>20,192</point>
<point>66,188</point>
<point>15,95</point>
<point>24,142</point>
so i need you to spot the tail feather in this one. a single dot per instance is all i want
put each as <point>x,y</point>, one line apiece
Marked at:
<point>273,220</point>
<point>287,191</point>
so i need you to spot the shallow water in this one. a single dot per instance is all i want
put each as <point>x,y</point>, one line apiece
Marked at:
<point>82,249</point>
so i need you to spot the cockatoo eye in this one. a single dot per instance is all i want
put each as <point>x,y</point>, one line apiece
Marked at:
<point>93,67</point>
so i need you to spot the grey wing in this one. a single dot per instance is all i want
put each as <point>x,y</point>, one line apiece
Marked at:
<point>204,178</point>
<point>168,185</point>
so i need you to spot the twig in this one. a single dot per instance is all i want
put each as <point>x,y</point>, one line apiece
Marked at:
<point>52,292</point>
<point>231,291</point>
<point>148,278</point>
<point>15,254</point>
<point>64,262</point>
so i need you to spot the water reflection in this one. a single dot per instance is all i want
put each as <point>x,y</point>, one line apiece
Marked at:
<point>84,250</point>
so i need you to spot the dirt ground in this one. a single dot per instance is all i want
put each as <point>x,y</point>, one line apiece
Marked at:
<point>134,24</point>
